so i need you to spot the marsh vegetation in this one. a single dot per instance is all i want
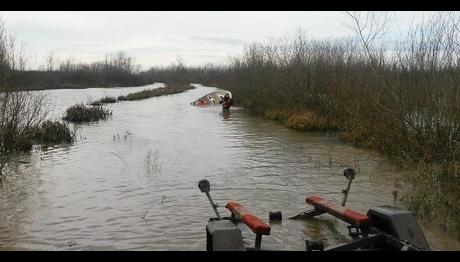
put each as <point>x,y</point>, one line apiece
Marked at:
<point>170,89</point>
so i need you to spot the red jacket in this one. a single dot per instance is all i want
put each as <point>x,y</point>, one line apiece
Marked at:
<point>226,103</point>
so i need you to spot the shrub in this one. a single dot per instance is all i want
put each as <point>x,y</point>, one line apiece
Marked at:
<point>54,132</point>
<point>82,113</point>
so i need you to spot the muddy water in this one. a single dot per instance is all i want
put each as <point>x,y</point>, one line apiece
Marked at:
<point>130,183</point>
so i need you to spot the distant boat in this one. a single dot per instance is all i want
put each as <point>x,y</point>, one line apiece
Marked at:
<point>211,98</point>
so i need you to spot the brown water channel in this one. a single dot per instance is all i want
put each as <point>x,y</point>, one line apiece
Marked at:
<point>130,183</point>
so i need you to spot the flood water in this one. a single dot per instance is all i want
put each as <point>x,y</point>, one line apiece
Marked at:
<point>130,182</point>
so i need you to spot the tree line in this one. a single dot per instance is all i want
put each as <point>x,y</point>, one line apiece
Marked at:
<point>114,70</point>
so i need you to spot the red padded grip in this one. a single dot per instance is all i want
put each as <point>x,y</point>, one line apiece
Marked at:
<point>345,214</point>
<point>254,223</point>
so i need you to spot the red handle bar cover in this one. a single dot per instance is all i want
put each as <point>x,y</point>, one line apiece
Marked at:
<point>336,210</point>
<point>254,223</point>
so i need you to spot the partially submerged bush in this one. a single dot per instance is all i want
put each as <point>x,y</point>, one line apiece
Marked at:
<point>22,140</point>
<point>83,113</point>
<point>15,139</point>
<point>54,132</point>
<point>20,112</point>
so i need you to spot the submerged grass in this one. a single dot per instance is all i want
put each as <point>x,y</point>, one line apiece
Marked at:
<point>83,113</point>
<point>104,100</point>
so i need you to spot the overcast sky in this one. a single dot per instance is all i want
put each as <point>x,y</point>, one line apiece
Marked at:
<point>158,38</point>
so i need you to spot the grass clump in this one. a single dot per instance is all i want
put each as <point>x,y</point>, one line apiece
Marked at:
<point>83,113</point>
<point>108,100</point>
<point>104,100</point>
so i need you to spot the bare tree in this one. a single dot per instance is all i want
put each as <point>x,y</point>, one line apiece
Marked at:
<point>50,61</point>
<point>179,64</point>
<point>369,26</point>
<point>20,112</point>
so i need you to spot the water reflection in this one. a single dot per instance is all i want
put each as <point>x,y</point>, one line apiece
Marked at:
<point>226,114</point>
<point>20,199</point>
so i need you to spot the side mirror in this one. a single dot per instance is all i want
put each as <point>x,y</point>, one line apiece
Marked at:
<point>204,186</point>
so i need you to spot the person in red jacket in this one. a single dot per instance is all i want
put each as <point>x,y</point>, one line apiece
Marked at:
<point>226,102</point>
